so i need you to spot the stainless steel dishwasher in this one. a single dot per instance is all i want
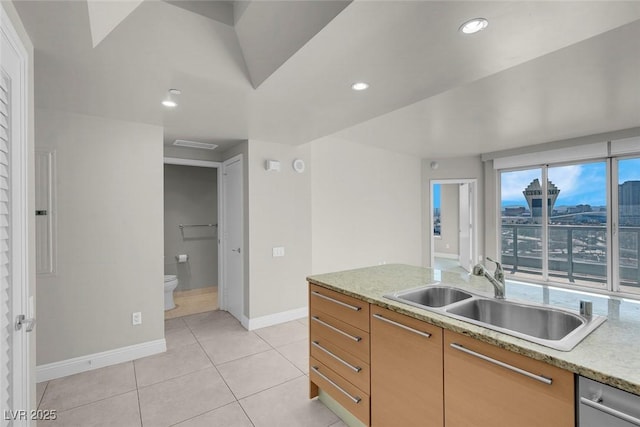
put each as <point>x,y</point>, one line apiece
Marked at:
<point>605,406</point>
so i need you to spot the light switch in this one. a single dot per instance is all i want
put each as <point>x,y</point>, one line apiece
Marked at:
<point>278,251</point>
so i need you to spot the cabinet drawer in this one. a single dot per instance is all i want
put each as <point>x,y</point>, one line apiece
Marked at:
<point>345,393</point>
<point>506,388</point>
<point>345,364</point>
<point>343,335</point>
<point>349,310</point>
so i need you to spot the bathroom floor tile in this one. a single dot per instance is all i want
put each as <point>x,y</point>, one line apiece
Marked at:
<point>69,392</point>
<point>230,415</point>
<point>233,345</point>
<point>258,372</point>
<point>297,353</point>
<point>287,404</point>
<point>174,325</point>
<point>182,398</point>
<point>284,333</point>
<point>121,411</point>
<point>340,423</point>
<point>304,321</point>
<point>172,364</point>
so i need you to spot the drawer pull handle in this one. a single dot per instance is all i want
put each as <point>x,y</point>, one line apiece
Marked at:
<point>333,328</point>
<point>355,399</point>
<point>356,369</point>
<point>613,412</point>
<point>400,325</point>
<point>540,378</point>
<point>344,304</point>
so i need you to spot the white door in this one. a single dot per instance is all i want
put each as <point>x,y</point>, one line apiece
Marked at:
<point>465,226</point>
<point>14,299</point>
<point>232,241</point>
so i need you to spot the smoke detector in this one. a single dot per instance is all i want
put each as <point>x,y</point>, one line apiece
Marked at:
<point>195,144</point>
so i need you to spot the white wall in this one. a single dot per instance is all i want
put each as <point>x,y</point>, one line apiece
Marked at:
<point>453,168</point>
<point>110,236</point>
<point>279,212</point>
<point>366,206</point>
<point>449,240</point>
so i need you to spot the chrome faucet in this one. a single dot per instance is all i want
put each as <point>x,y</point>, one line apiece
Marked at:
<point>497,280</point>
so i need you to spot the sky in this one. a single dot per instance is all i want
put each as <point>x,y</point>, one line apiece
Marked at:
<point>578,184</point>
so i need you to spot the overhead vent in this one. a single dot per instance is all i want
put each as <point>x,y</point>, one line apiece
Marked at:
<point>195,144</point>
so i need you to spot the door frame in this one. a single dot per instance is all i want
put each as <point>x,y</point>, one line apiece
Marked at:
<point>473,185</point>
<point>224,300</point>
<point>21,219</point>
<point>221,224</point>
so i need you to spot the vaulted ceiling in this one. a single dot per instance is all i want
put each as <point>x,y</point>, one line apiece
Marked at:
<point>282,71</point>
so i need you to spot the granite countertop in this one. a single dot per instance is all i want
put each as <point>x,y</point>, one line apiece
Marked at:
<point>611,354</point>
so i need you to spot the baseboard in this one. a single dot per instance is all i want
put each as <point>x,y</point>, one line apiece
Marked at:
<point>76,365</point>
<point>274,319</point>
<point>448,256</point>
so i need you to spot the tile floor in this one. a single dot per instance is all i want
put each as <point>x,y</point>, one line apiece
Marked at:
<point>193,301</point>
<point>214,374</point>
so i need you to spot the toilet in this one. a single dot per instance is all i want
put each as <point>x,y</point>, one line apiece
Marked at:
<point>170,284</point>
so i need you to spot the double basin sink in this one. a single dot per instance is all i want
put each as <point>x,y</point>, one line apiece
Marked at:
<point>545,325</point>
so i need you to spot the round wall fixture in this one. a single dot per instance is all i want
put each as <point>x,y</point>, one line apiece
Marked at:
<point>434,165</point>
<point>298,165</point>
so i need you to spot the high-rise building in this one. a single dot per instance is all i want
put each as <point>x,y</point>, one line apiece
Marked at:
<point>533,194</point>
<point>629,202</point>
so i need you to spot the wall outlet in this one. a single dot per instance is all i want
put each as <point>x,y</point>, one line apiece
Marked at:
<point>278,251</point>
<point>136,318</point>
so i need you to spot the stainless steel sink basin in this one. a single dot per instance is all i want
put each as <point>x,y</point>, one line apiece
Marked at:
<point>539,322</point>
<point>431,296</point>
<point>542,324</point>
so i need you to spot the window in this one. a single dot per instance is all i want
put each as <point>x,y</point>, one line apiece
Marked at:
<point>628,224</point>
<point>436,210</point>
<point>556,227</point>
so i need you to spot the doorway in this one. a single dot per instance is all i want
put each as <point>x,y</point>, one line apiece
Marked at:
<point>453,210</point>
<point>191,238</point>
<point>207,251</point>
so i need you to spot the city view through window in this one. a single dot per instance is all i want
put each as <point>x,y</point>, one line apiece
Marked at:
<point>576,232</point>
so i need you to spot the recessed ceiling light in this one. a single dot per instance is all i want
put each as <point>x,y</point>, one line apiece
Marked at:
<point>474,25</point>
<point>360,86</point>
<point>170,101</point>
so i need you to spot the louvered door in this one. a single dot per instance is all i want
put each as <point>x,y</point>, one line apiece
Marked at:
<point>14,349</point>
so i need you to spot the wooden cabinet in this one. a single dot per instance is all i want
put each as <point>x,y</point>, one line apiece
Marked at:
<point>339,349</point>
<point>390,370</point>
<point>488,386</point>
<point>406,371</point>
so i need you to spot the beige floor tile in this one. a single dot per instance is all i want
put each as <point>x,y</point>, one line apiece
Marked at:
<point>193,301</point>
<point>340,423</point>
<point>173,325</point>
<point>229,346</point>
<point>297,353</point>
<point>287,405</point>
<point>211,325</point>
<point>284,333</point>
<point>179,338</point>
<point>172,364</point>
<point>79,389</point>
<point>182,398</point>
<point>304,321</point>
<point>116,411</point>
<point>231,415</point>
<point>259,372</point>
<point>40,388</point>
